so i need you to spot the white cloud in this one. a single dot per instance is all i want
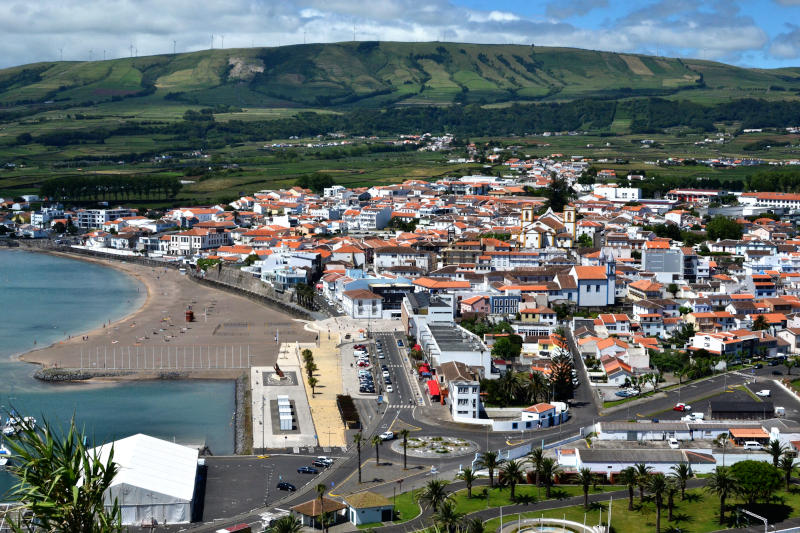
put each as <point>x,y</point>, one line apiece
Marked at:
<point>786,45</point>
<point>35,31</point>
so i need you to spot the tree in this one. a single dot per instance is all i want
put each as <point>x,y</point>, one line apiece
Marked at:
<point>511,474</point>
<point>642,475</point>
<point>474,525</point>
<point>760,323</point>
<point>673,486</point>
<point>310,369</point>
<point>682,473</point>
<point>787,466</point>
<point>320,488</point>
<point>790,363</point>
<point>61,481</point>
<point>358,438</point>
<point>312,382</point>
<point>585,478</point>
<point>308,356</point>
<point>561,371</point>
<point>535,458</point>
<point>405,433</point>
<point>585,240</point>
<point>549,470</point>
<point>490,460</point>
<point>446,517</point>
<point>377,441</point>
<point>723,483</point>
<point>286,524</point>
<point>657,484</point>
<point>629,478</point>
<point>558,194</point>
<point>504,348</point>
<point>775,449</point>
<point>433,494</point>
<point>672,288</point>
<point>468,477</point>
<point>756,480</point>
<point>722,227</point>
<point>59,227</point>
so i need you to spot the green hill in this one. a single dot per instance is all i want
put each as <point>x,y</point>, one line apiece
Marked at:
<point>380,74</point>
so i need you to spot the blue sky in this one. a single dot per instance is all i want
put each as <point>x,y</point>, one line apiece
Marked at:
<point>760,33</point>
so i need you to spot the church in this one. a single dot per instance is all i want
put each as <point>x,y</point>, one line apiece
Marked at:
<point>550,230</point>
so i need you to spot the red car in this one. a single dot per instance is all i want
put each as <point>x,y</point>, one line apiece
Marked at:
<point>682,407</point>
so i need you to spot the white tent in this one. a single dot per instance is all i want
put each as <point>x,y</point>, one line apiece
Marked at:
<point>155,480</point>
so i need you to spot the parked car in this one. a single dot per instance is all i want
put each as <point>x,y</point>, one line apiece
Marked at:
<point>386,373</point>
<point>317,462</point>
<point>307,470</point>
<point>752,445</point>
<point>763,393</point>
<point>389,388</point>
<point>388,435</point>
<point>283,485</point>
<point>325,459</point>
<point>673,443</point>
<point>682,407</point>
<point>400,343</point>
<point>758,365</point>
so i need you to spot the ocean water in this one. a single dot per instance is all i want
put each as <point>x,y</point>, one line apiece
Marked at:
<point>44,298</point>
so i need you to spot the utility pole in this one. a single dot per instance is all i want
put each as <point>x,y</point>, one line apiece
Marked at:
<point>131,47</point>
<point>354,33</point>
<point>90,54</point>
<point>222,41</point>
<point>212,41</point>
<point>174,44</point>
<point>304,36</point>
<point>61,54</point>
<point>104,54</point>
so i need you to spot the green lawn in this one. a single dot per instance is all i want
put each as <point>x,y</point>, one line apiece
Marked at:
<point>698,514</point>
<point>502,496</point>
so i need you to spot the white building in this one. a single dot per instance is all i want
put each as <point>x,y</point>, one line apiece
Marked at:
<point>95,218</point>
<point>362,303</point>
<point>464,399</point>
<point>618,194</point>
<point>155,481</point>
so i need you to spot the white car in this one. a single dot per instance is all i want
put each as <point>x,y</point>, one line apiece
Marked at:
<point>381,356</point>
<point>389,388</point>
<point>388,435</point>
<point>763,393</point>
<point>674,444</point>
<point>386,373</point>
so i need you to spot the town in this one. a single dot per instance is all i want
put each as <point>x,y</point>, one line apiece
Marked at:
<point>595,334</point>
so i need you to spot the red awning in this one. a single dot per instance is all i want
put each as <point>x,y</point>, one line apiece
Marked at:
<point>433,387</point>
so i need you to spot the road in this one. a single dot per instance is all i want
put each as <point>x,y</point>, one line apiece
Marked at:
<point>396,411</point>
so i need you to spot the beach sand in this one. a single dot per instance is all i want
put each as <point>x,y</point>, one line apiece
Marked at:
<point>156,338</point>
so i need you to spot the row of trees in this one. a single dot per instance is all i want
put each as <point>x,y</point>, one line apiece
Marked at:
<point>310,367</point>
<point>112,186</point>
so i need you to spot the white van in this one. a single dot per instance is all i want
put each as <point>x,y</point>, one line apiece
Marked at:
<point>752,445</point>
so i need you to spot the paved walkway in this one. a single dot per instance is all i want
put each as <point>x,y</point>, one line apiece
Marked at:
<point>327,420</point>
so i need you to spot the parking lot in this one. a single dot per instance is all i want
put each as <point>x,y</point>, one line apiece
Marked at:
<point>239,484</point>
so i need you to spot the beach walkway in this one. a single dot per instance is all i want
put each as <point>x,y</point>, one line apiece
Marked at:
<point>327,420</point>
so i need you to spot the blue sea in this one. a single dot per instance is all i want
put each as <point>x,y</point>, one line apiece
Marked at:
<point>44,298</point>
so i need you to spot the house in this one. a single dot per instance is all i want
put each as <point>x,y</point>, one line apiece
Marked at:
<point>616,371</point>
<point>737,344</point>
<point>463,390</point>
<point>311,511</point>
<point>595,285</point>
<point>644,289</point>
<point>362,303</point>
<point>475,304</point>
<point>544,415</point>
<point>368,508</point>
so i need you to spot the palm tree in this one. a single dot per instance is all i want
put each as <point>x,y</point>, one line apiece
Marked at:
<point>585,478</point>
<point>446,517</point>
<point>405,433</point>
<point>682,473</point>
<point>642,474</point>
<point>549,469</point>
<point>657,484</point>
<point>490,460</point>
<point>673,486</point>
<point>759,323</point>
<point>320,488</point>
<point>312,382</point>
<point>377,441</point>
<point>433,494</point>
<point>775,449</point>
<point>307,355</point>
<point>286,524</point>
<point>61,481</point>
<point>787,465</point>
<point>511,474</point>
<point>790,363</point>
<point>468,477</point>
<point>722,483</point>
<point>473,525</point>
<point>630,479</point>
<point>358,438</point>
<point>535,458</point>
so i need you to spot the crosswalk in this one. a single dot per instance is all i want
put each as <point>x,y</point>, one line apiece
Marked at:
<point>399,406</point>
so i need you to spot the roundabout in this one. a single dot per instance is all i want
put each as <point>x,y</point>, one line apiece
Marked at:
<point>435,447</point>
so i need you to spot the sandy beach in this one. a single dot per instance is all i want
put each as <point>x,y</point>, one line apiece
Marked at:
<point>227,331</point>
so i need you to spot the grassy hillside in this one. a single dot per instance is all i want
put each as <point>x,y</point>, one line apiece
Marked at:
<point>373,74</point>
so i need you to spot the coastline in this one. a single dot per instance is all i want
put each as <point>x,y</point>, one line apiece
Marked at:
<point>145,301</point>
<point>228,327</point>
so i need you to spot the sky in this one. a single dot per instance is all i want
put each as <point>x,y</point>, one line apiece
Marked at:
<point>755,33</point>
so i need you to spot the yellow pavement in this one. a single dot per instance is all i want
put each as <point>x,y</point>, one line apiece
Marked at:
<point>327,420</point>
